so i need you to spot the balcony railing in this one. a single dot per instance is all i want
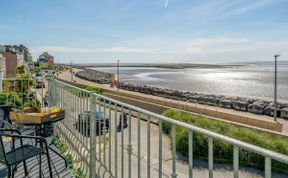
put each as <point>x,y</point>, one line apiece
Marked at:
<point>140,150</point>
<point>17,91</point>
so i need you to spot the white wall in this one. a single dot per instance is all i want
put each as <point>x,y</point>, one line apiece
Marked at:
<point>2,69</point>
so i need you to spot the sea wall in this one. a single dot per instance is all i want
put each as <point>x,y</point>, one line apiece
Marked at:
<point>95,76</point>
<point>255,106</point>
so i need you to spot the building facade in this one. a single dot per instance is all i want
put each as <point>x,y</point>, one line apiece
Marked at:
<point>10,63</point>
<point>46,58</point>
<point>14,56</point>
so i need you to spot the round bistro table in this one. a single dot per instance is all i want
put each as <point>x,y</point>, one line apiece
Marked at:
<point>40,130</point>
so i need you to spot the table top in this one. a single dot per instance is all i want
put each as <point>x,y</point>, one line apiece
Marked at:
<point>33,118</point>
<point>42,123</point>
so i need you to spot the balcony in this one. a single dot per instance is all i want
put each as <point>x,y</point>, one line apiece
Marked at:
<point>58,166</point>
<point>102,145</point>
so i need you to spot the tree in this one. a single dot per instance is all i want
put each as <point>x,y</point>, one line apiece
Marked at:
<point>21,69</point>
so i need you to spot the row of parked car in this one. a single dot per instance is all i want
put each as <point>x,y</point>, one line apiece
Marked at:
<point>255,106</point>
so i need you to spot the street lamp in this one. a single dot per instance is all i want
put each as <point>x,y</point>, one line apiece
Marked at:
<point>118,74</point>
<point>275,89</point>
<point>71,71</point>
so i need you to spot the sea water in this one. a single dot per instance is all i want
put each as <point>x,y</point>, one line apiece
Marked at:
<point>248,80</point>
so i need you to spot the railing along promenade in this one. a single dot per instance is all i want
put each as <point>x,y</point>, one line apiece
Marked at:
<point>119,151</point>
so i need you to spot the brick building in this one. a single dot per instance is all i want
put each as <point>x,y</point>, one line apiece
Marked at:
<point>14,56</point>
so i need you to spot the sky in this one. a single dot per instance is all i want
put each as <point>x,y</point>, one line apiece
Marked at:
<point>148,31</point>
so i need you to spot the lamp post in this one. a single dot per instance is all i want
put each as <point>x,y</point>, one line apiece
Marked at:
<point>275,89</point>
<point>118,74</point>
<point>71,71</point>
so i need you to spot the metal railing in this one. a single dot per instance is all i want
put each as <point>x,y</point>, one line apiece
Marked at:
<point>140,150</point>
<point>17,91</point>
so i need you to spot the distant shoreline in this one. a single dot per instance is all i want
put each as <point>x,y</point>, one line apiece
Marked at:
<point>167,66</point>
<point>179,65</point>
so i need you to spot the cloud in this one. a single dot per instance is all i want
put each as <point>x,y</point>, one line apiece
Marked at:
<point>209,10</point>
<point>91,50</point>
<point>166,3</point>
<point>217,41</point>
<point>211,49</point>
<point>127,50</point>
<point>170,46</point>
<point>252,5</point>
<point>193,50</point>
<point>60,49</point>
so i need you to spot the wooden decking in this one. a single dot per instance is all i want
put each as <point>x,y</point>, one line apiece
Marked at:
<point>58,166</point>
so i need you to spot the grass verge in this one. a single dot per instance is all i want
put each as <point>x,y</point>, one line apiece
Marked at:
<point>83,86</point>
<point>223,152</point>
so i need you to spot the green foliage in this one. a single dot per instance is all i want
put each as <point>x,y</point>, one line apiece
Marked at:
<point>18,92</point>
<point>63,148</point>
<point>58,68</point>
<point>89,88</point>
<point>21,69</point>
<point>44,65</point>
<point>223,152</point>
<point>37,70</point>
<point>79,173</point>
<point>36,64</point>
<point>15,99</point>
<point>82,94</point>
<point>31,103</point>
<point>9,98</point>
<point>24,76</point>
<point>92,88</point>
<point>19,85</point>
<point>76,91</point>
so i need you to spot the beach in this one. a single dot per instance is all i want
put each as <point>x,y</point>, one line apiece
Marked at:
<point>253,81</point>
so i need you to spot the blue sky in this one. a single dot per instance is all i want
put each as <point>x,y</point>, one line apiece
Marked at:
<point>148,30</point>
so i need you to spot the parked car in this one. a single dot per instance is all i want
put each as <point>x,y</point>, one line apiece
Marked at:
<point>83,123</point>
<point>40,82</point>
<point>50,75</point>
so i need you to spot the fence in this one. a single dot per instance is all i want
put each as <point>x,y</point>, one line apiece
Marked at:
<point>17,91</point>
<point>102,146</point>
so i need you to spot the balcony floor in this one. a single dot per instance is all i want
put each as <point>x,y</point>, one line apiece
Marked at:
<point>57,163</point>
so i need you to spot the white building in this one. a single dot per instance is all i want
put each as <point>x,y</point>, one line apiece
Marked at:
<point>20,59</point>
<point>2,67</point>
